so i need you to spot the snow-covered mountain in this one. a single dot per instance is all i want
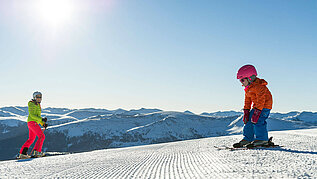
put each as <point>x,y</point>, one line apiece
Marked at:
<point>223,113</point>
<point>196,158</point>
<point>78,130</point>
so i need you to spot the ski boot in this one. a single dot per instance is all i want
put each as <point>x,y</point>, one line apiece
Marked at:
<point>37,154</point>
<point>242,143</point>
<point>258,143</point>
<point>23,156</point>
<point>270,143</point>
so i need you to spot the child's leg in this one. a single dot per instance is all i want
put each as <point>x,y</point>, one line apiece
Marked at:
<point>248,129</point>
<point>31,138</point>
<point>261,126</point>
<point>41,137</point>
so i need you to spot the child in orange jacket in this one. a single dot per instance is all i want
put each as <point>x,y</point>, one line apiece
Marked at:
<point>255,127</point>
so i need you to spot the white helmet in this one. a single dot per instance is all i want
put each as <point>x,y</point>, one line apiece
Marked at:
<point>36,93</point>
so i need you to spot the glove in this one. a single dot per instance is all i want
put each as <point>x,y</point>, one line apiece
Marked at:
<point>45,125</point>
<point>246,115</point>
<point>256,116</point>
<point>44,119</point>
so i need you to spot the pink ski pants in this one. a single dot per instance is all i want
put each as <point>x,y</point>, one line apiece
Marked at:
<point>34,130</point>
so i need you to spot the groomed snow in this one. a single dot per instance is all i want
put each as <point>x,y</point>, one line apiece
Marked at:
<point>186,159</point>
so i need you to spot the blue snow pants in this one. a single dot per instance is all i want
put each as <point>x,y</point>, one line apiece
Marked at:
<point>259,130</point>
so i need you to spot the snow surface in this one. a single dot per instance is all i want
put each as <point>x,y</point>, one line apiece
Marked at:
<point>186,159</point>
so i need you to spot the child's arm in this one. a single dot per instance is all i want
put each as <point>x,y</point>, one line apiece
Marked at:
<point>247,102</point>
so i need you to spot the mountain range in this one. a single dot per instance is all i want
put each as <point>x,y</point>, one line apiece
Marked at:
<point>79,130</point>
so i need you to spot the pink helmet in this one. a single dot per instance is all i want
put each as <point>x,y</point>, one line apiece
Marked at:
<point>246,72</point>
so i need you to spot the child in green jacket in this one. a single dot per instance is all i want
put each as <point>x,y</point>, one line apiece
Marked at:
<point>33,122</point>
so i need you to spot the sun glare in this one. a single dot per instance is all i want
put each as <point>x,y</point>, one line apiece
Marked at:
<point>55,12</point>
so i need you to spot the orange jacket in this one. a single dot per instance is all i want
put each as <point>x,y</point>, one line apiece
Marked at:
<point>258,94</point>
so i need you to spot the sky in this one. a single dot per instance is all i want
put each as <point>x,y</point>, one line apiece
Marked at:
<point>174,55</point>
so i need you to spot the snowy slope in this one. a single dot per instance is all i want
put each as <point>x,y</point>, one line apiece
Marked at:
<point>186,159</point>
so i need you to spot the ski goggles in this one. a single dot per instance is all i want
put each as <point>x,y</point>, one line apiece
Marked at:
<point>243,79</point>
<point>39,97</point>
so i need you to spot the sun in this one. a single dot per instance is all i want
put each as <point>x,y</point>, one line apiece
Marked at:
<point>55,12</point>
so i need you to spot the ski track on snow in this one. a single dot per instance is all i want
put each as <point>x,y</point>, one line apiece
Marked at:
<point>185,159</point>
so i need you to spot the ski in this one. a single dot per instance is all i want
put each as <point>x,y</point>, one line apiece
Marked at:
<point>229,148</point>
<point>47,154</point>
<point>250,146</point>
<point>246,148</point>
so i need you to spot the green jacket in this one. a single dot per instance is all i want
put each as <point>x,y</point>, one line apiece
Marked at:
<point>35,112</point>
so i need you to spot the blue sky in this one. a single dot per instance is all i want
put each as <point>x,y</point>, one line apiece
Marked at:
<point>173,55</point>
